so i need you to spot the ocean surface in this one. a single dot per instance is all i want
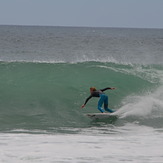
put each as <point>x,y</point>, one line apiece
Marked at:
<point>45,76</point>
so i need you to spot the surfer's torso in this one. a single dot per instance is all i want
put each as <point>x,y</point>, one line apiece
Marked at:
<point>96,93</point>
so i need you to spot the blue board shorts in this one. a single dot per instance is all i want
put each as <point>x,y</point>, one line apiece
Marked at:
<point>104,100</point>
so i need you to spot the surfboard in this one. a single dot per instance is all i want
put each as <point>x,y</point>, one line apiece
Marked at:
<point>95,116</point>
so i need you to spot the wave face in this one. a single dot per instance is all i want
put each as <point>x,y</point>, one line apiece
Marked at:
<point>48,95</point>
<point>46,72</point>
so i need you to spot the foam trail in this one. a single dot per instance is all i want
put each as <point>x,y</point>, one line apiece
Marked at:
<point>143,106</point>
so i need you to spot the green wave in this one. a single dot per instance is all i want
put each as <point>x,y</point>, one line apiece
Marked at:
<point>49,95</point>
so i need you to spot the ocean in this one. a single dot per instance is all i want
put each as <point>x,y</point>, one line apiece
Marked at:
<point>45,76</point>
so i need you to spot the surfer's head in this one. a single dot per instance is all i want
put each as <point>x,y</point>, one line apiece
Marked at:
<point>92,89</point>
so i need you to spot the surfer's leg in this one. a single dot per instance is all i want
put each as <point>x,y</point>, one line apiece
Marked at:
<point>100,102</point>
<point>106,105</point>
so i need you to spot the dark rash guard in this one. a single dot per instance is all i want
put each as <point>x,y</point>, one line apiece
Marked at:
<point>96,94</point>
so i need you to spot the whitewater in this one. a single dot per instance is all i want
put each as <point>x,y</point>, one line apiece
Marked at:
<point>45,76</point>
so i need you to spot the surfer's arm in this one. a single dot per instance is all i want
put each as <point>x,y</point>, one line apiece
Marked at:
<point>86,101</point>
<point>106,89</point>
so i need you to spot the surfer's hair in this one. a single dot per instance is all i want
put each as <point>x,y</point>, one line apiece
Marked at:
<point>93,89</point>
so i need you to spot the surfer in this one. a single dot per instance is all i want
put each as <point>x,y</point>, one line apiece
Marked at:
<point>103,99</point>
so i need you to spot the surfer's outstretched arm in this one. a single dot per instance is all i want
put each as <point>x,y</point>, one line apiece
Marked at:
<point>107,89</point>
<point>86,101</point>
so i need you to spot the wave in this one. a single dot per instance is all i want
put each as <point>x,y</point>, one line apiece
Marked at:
<point>74,60</point>
<point>38,95</point>
<point>144,108</point>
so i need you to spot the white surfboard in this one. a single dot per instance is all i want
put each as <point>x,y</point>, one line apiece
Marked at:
<point>100,115</point>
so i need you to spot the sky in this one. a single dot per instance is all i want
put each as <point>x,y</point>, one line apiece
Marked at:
<point>88,13</point>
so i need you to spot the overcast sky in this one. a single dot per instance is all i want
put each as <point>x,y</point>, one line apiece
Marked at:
<point>93,13</point>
